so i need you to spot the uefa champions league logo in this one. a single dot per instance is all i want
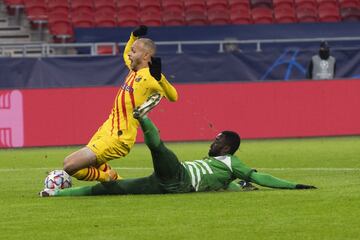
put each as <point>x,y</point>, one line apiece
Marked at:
<point>11,119</point>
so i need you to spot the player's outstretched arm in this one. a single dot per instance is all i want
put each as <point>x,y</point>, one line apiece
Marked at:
<point>155,71</point>
<point>135,34</point>
<point>267,180</point>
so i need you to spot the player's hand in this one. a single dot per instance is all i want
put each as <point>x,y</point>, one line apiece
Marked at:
<point>140,31</point>
<point>303,186</point>
<point>155,67</point>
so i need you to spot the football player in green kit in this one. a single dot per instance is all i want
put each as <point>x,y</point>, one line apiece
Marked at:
<point>213,173</point>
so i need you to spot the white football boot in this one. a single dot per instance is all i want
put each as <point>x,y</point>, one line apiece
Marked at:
<point>144,108</point>
<point>47,192</point>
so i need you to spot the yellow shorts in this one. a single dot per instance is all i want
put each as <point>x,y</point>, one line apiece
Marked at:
<point>107,147</point>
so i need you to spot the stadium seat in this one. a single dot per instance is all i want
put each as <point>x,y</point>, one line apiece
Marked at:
<point>173,18</point>
<point>349,4</point>
<point>328,3</point>
<point>261,4</point>
<point>195,18</point>
<point>306,15</point>
<point>101,5</point>
<point>127,18</point>
<point>105,18</point>
<point>218,17</point>
<point>172,5</point>
<point>36,15</point>
<point>36,3</point>
<point>14,2</point>
<point>195,5</point>
<point>329,14</point>
<point>151,18</point>
<point>284,14</point>
<point>350,14</point>
<point>310,4</point>
<point>235,5</point>
<point>57,16</point>
<point>80,5</point>
<point>217,5</point>
<point>283,4</point>
<point>82,19</point>
<point>36,10</point>
<point>150,5</point>
<point>58,6</point>
<point>128,6</point>
<point>262,15</point>
<point>240,16</point>
<point>60,27</point>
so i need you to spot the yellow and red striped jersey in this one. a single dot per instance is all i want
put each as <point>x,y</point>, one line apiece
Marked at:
<point>137,87</point>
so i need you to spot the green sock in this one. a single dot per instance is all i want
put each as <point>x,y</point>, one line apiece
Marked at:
<point>151,133</point>
<point>75,191</point>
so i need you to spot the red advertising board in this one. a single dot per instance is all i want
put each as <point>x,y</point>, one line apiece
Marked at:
<point>68,116</point>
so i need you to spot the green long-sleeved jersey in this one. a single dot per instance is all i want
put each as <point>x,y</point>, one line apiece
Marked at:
<point>215,173</point>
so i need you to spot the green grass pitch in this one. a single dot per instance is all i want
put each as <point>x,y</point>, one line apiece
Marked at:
<point>330,212</point>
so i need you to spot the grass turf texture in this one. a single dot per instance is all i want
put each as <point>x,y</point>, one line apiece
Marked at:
<point>331,212</point>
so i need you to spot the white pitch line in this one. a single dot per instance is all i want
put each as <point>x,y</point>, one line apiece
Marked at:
<point>148,168</point>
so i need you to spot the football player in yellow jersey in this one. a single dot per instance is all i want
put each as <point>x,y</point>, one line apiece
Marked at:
<point>117,135</point>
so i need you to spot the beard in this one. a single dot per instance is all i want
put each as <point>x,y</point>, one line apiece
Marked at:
<point>134,64</point>
<point>212,153</point>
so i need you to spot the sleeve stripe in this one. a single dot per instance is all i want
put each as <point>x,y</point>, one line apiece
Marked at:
<point>205,165</point>
<point>197,180</point>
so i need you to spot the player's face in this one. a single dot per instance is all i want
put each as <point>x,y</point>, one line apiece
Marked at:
<point>216,148</point>
<point>136,55</point>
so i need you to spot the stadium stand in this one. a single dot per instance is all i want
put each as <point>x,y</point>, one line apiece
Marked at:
<point>60,26</point>
<point>329,13</point>
<point>306,13</point>
<point>310,4</point>
<point>241,15</point>
<point>261,3</point>
<point>37,13</point>
<point>173,18</point>
<point>127,18</point>
<point>284,14</point>
<point>82,19</point>
<point>82,5</point>
<point>172,5</point>
<point>195,5</point>
<point>195,17</point>
<point>128,6</point>
<point>262,15</point>
<point>151,18</point>
<point>105,18</point>
<point>150,6</point>
<point>108,5</point>
<point>129,13</point>
<point>283,4</point>
<point>239,4</point>
<point>217,5</point>
<point>58,6</point>
<point>328,3</point>
<point>218,16</point>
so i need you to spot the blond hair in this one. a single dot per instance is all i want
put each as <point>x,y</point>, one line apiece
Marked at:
<point>148,45</point>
